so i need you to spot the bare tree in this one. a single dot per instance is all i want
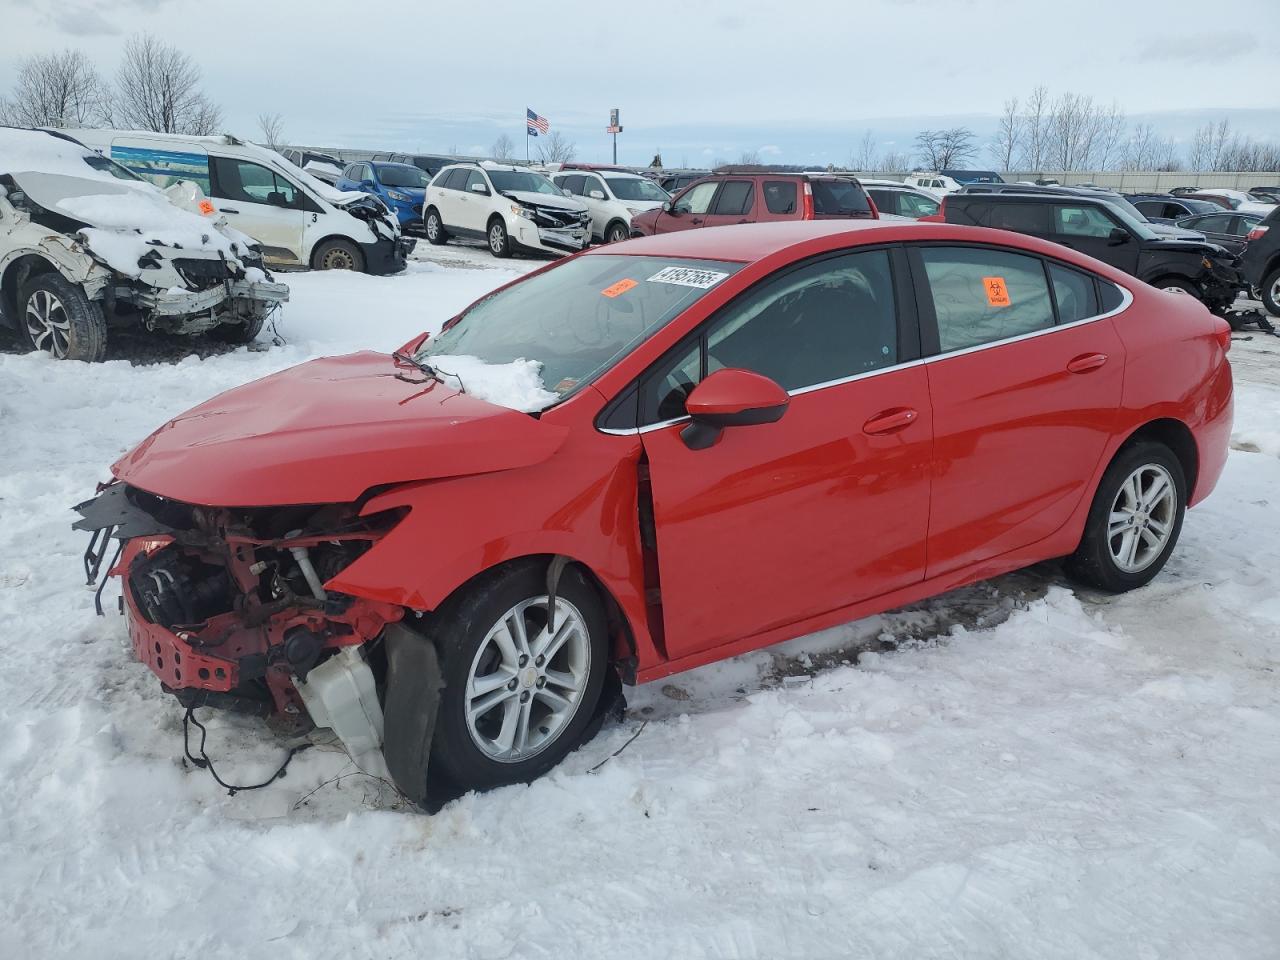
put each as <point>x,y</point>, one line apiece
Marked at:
<point>1008,139</point>
<point>864,157</point>
<point>502,148</point>
<point>56,90</point>
<point>1110,137</point>
<point>1147,150</point>
<point>157,88</point>
<point>556,148</point>
<point>1075,122</point>
<point>1200,155</point>
<point>943,149</point>
<point>895,162</point>
<point>749,158</point>
<point>272,127</point>
<point>1035,128</point>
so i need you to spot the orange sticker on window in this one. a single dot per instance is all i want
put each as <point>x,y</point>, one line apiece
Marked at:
<point>997,292</point>
<point>207,207</point>
<point>619,288</point>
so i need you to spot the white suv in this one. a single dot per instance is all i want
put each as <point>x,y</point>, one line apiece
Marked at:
<point>934,184</point>
<point>510,208</point>
<point>613,197</point>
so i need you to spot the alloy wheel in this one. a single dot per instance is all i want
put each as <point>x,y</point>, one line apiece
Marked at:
<point>433,227</point>
<point>526,681</point>
<point>1275,290</point>
<point>495,238</point>
<point>1142,518</point>
<point>48,323</point>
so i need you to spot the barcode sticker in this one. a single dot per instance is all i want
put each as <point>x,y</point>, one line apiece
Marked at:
<point>688,277</point>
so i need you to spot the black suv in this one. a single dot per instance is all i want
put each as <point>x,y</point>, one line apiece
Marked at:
<point>1260,262</point>
<point>1096,226</point>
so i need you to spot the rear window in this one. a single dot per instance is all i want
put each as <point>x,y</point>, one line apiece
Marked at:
<point>839,198</point>
<point>982,295</point>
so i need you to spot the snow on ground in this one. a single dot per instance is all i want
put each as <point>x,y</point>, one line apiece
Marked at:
<point>1032,772</point>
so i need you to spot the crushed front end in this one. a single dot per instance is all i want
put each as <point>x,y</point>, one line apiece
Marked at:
<point>227,606</point>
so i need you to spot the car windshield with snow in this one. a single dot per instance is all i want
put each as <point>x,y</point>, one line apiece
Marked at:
<point>86,245</point>
<point>649,458</point>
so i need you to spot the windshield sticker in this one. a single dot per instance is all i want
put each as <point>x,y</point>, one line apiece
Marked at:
<point>619,288</point>
<point>688,277</point>
<point>997,292</point>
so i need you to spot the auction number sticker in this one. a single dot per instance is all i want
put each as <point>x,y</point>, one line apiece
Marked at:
<point>619,288</point>
<point>688,277</point>
<point>207,207</point>
<point>997,292</point>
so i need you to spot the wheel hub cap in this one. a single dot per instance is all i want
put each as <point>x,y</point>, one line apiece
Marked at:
<point>1142,518</point>
<point>47,323</point>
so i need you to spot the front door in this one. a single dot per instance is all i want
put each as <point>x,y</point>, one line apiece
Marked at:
<point>779,522</point>
<point>1090,229</point>
<point>263,204</point>
<point>1025,389</point>
<point>689,209</point>
<point>735,203</point>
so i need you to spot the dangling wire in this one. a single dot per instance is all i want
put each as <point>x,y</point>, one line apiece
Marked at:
<point>204,763</point>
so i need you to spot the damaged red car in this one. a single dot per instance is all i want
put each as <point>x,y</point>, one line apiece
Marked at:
<point>739,436</point>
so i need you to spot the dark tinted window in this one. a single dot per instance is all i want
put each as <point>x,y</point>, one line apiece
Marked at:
<point>1218,223</point>
<point>1152,208</point>
<point>1110,295</point>
<point>735,198</point>
<point>826,321</point>
<point>839,198</point>
<point>780,196</point>
<point>916,205</point>
<point>475,180</point>
<point>886,201</point>
<point>1074,293</point>
<point>982,295</point>
<point>455,179</point>
<point>573,184</point>
<point>1019,217</point>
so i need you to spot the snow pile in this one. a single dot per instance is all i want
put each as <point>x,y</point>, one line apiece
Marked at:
<point>32,151</point>
<point>127,225</point>
<point>1032,773</point>
<point>517,385</point>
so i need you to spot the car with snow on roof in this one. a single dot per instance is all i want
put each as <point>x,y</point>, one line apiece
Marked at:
<point>85,244</point>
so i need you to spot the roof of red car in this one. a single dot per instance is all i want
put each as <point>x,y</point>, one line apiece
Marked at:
<point>749,242</point>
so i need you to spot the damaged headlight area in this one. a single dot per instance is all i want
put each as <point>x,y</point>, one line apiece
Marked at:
<point>228,606</point>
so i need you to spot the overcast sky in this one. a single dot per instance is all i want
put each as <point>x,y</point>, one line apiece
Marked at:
<point>796,81</point>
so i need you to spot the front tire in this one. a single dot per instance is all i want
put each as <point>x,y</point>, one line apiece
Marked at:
<point>1135,520</point>
<point>433,226</point>
<point>1271,292</point>
<point>58,318</point>
<point>517,698</point>
<point>499,242</point>
<point>617,232</point>
<point>338,255</point>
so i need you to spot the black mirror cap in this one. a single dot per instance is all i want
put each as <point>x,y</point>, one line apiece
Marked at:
<point>704,429</point>
<point>1118,236</point>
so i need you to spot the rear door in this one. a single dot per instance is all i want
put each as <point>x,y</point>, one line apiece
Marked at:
<point>1088,228</point>
<point>1025,381</point>
<point>688,209</point>
<point>778,522</point>
<point>263,204</point>
<point>734,203</point>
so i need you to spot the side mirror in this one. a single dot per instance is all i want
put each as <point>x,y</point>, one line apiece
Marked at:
<point>479,188</point>
<point>596,195</point>
<point>731,398</point>
<point>1117,236</point>
<point>669,207</point>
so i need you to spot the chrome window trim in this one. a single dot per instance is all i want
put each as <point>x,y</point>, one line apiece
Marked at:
<point>1126,299</point>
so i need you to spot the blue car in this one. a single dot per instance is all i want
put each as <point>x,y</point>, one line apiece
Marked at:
<point>401,186</point>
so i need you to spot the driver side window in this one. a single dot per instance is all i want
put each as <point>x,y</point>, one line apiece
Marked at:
<point>1082,222</point>
<point>252,183</point>
<point>697,199</point>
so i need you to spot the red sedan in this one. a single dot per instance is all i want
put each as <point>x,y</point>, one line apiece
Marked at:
<point>740,436</point>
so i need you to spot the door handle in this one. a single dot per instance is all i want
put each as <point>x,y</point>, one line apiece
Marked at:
<point>1086,362</point>
<point>227,210</point>
<point>890,421</point>
<point>696,220</point>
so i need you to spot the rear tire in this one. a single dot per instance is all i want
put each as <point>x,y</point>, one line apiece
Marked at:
<point>470,741</point>
<point>1134,521</point>
<point>499,242</point>
<point>57,317</point>
<point>338,255</point>
<point>1271,292</point>
<point>433,226</point>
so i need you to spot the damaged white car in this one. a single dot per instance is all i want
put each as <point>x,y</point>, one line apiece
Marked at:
<point>86,245</point>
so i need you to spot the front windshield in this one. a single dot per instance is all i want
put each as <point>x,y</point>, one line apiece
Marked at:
<point>577,319</point>
<point>636,188</point>
<point>522,181</point>
<point>401,176</point>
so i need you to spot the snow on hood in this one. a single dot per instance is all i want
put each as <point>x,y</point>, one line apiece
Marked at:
<point>34,151</point>
<point>516,385</point>
<point>533,198</point>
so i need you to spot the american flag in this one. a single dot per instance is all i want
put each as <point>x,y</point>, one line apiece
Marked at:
<point>535,124</point>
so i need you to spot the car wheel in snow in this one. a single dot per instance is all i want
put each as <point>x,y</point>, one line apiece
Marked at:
<point>338,255</point>
<point>239,333</point>
<point>517,696</point>
<point>617,232</point>
<point>1135,519</point>
<point>1271,293</point>
<point>435,229</point>
<point>499,243</point>
<point>57,317</point>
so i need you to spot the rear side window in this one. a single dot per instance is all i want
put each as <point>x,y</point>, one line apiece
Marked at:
<point>839,198</point>
<point>915,205</point>
<point>780,196</point>
<point>1074,293</point>
<point>982,295</point>
<point>735,198</point>
<point>1110,295</point>
<point>1019,217</point>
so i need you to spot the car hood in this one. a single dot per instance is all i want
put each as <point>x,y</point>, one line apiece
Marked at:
<point>414,193</point>
<point>1167,231</point>
<point>535,199</point>
<point>326,432</point>
<point>1189,245</point>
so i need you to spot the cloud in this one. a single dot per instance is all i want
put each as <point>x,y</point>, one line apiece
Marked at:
<point>771,150</point>
<point>1200,47</point>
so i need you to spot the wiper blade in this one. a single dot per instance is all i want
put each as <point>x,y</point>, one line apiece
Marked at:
<point>422,365</point>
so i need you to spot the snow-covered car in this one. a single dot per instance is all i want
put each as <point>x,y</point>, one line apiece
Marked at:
<point>299,221</point>
<point>510,208</point>
<point>613,197</point>
<point>85,244</point>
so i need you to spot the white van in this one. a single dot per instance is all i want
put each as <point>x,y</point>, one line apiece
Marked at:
<point>299,220</point>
